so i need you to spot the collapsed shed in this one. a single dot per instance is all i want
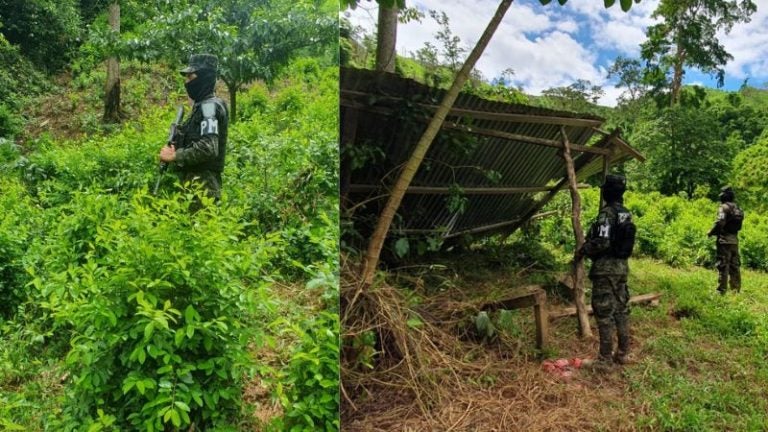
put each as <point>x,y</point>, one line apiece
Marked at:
<point>492,167</point>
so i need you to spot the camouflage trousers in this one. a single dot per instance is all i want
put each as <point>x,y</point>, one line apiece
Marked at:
<point>610,304</point>
<point>728,265</point>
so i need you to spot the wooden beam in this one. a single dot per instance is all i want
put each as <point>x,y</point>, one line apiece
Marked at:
<point>524,138</point>
<point>437,190</point>
<point>615,138</point>
<point>652,299</point>
<point>348,96</point>
<point>486,132</point>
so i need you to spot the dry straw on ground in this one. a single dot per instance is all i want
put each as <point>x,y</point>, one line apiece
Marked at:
<point>427,378</point>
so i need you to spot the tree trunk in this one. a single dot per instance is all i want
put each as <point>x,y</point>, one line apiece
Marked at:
<point>578,260</point>
<point>386,39</point>
<point>412,165</point>
<point>232,89</point>
<point>677,77</point>
<point>112,112</point>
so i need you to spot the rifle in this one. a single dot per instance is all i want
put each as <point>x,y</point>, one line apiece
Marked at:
<point>174,126</point>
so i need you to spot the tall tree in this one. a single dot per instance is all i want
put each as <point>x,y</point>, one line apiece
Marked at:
<point>253,39</point>
<point>386,38</point>
<point>112,113</point>
<point>629,74</point>
<point>580,96</point>
<point>687,37</point>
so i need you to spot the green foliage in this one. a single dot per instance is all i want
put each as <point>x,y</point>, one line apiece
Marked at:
<point>18,79</point>
<point>581,96</point>
<point>683,151</point>
<point>253,39</point>
<point>687,37</point>
<point>311,397</point>
<point>670,228</point>
<point>47,31</point>
<point>10,122</point>
<point>749,174</point>
<point>15,232</point>
<point>156,310</point>
<point>141,316</point>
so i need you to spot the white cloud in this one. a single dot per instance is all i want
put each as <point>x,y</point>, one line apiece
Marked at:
<point>748,44</point>
<point>551,60</point>
<point>550,46</point>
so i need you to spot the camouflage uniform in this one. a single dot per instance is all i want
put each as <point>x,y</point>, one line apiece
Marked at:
<point>610,294</point>
<point>728,259</point>
<point>201,143</point>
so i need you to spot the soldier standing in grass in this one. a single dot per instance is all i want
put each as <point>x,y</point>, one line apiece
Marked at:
<point>201,142</point>
<point>726,228</point>
<point>609,244</point>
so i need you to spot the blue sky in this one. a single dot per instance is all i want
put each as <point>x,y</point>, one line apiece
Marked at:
<point>553,45</point>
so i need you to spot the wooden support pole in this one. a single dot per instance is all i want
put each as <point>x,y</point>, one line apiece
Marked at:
<point>606,166</point>
<point>578,260</point>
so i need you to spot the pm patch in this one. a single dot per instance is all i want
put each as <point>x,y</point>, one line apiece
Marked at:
<point>209,126</point>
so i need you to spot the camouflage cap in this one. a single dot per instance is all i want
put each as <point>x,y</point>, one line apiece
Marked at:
<point>726,189</point>
<point>615,182</point>
<point>201,61</point>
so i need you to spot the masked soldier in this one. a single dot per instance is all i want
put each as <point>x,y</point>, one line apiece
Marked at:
<point>201,142</point>
<point>609,245</point>
<point>726,228</point>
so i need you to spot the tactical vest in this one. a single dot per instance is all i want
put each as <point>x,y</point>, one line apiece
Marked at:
<point>200,123</point>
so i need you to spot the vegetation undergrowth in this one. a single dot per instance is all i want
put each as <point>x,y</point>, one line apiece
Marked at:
<point>122,311</point>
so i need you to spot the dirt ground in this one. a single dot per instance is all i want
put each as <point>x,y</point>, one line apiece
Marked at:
<point>471,385</point>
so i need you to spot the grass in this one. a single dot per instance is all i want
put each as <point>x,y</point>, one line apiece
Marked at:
<point>701,355</point>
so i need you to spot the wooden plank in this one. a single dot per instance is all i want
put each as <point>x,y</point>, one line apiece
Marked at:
<point>523,297</point>
<point>348,98</point>
<point>435,190</point>
<point>524,138</point>
<point>652,298</point>
<point>531,296</point>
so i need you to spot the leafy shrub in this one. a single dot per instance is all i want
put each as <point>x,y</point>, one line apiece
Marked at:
<point>10,122</point>
<point>670,228</point>
<point>157,312</point>
<point>57,29</point>
<point>311,399</point>
<point>148,308</point>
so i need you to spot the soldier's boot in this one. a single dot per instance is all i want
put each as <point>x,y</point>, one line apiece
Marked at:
<point>622,353</point>
<point>722,279</point>
<point>605,353</point>
<point>736,280</point>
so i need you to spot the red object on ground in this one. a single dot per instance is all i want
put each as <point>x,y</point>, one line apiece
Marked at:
<point>563,368</point>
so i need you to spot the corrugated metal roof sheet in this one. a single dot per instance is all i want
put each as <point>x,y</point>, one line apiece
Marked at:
<point>515,141</point>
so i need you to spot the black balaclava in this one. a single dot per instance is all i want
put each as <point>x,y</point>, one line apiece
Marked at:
<point>613,188</point>
<point>202,86</point>
<point>727,195</point>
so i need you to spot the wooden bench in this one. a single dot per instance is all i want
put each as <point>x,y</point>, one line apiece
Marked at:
<point>529,296</point>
